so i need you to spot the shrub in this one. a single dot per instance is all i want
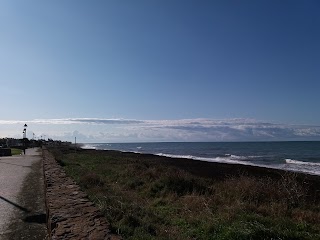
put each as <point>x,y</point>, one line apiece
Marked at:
<point>91,179</point>
<point>291,191</point>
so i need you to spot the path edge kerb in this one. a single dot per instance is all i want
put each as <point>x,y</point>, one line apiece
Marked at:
<point>70,214</point>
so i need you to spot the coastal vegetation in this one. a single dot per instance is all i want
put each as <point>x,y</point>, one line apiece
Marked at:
<point>150,197</point>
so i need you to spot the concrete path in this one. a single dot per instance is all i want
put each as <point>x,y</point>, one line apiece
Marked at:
<point>22,210</point>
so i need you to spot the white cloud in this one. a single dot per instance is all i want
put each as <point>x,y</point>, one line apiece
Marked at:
<point>72,121</point>
<point>130,130</point>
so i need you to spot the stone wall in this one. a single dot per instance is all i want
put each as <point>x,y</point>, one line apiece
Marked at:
<point>70,214</point>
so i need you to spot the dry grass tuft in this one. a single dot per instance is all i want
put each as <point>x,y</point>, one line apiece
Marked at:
<point>91,179</point>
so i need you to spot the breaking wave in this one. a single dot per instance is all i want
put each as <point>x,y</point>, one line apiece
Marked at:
<point>227,158</point>
<point>87,146</point>
<point>291,161</point>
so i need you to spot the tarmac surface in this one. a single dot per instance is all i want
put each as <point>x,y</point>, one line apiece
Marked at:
<point>22,204</point>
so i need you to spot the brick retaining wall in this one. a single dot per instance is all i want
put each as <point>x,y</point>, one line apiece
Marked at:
<point>70,214</point>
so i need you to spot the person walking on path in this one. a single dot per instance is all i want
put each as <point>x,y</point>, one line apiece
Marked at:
<point>22,204</point>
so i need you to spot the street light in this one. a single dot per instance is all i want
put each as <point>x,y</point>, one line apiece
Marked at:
<point>25,131</point>
<point>25,138</point>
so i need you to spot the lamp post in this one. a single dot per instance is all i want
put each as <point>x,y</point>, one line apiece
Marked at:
<point>24,138</point>
<point>25,131</point>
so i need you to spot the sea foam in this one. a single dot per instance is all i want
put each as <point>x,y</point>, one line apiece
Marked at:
<point>88,147</point>
<point>291,161</point>
<point>227,158</point>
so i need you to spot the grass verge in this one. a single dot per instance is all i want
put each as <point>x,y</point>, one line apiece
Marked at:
<point>16,151</point>
<point>143,198</point>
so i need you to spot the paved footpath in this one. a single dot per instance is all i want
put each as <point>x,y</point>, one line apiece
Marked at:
<point>22,209</point>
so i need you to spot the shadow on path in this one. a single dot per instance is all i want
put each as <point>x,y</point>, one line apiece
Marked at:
<point>38,218</point>
<point>14,204</point>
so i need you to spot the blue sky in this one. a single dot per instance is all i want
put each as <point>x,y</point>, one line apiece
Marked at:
<point>66,64</point>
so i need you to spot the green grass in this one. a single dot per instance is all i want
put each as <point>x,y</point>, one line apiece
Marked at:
<point>16,151</point>
<point>147,200</point>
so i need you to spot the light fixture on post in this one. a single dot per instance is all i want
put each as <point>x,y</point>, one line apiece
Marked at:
<point>25,131</point>
<point>24,138</point>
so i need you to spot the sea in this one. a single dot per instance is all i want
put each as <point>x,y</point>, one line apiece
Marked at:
<point>291,156</point>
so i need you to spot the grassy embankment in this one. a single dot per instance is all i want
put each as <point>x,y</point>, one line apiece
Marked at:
<point>145,199</point>
<point>16,151</point>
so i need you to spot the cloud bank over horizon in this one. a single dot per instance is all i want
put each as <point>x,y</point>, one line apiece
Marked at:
<point>89,130</point>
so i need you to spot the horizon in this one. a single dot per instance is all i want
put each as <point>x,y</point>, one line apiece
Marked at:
<point>271,141</point>
<point>148,71</point>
